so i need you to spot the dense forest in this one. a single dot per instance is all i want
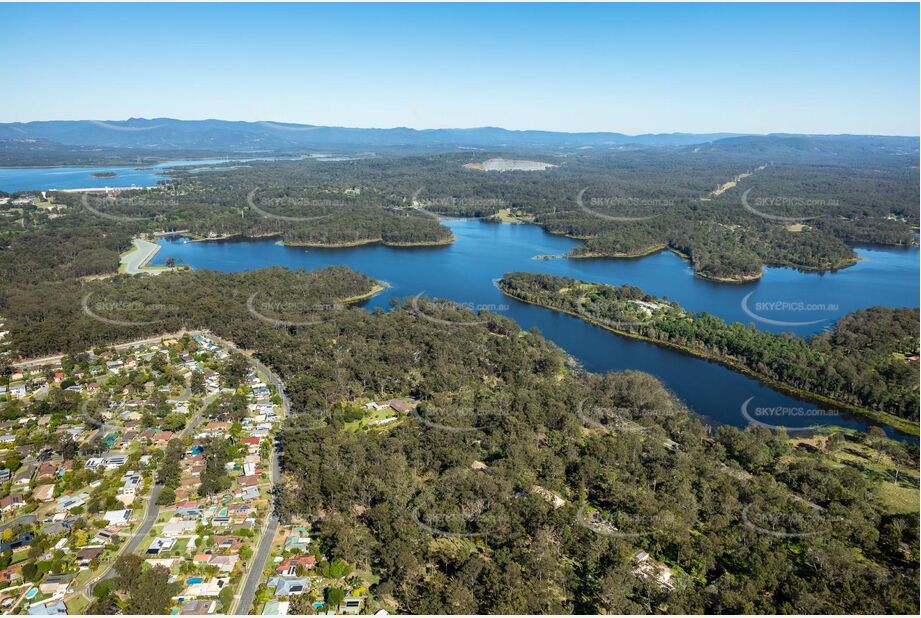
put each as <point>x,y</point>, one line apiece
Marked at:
<point>513,488</point>
<point>729,210</point>
<point>869,359</point>
<point>522,484</point>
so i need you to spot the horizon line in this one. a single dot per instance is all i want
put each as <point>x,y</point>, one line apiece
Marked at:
<point>474,128</point>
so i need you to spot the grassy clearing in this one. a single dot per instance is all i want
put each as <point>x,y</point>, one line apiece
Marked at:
<point>896,489</point>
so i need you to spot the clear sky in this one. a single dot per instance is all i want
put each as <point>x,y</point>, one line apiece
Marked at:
<point>815,68</point>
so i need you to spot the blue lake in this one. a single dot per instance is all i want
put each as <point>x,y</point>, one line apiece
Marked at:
<point>785,300</point>
<point>48,178</point>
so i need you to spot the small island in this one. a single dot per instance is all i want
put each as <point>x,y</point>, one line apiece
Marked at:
<point>103,174</point>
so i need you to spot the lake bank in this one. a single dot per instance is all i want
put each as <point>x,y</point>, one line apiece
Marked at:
<point>463,272</point>
<point>136,260</point>
<point>903,425</point>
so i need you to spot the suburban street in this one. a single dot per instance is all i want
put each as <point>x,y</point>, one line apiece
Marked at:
<point>254,576</point>
<point>153,509</point>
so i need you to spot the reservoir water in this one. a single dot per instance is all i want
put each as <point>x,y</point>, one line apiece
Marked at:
<point>785,300</point>
<point>48,178</point>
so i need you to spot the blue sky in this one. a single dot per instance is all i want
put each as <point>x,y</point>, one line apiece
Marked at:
<point>814,68</point>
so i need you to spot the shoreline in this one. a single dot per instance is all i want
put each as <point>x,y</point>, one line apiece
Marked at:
<point>97,189</point>
<point>131,264</point>
<point>376,289</point>
<point>315,245</point>
<point>902,425</point>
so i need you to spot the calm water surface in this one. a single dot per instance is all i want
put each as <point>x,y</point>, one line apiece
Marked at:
<point>48,178</point>
<point>784,300</point>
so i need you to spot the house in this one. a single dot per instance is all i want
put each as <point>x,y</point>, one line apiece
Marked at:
<point>11,574</point>
<point>289,566</point>
<point>11,502</point>
<point>24,475</point>
<point>177,527</point>
<point>87,554</point>
<point>115,461</point>
<point>288,586</point>
<point>23,540</point>
<point>44,493</point>
<point>160,544</point>
<point>248,481</point>
<point>351,605</point>
<point>276,608</point>
<point>210,588</point>
<point>299,539</point>
<point>59,527</point>
<point>166,563</point>
<point>53,608</point>
<point>46,471</point>
<point>118,518</point>
<point>403,405</point>
<point>188,512</point>
<point>56,584</point>
<point>128,491</point>
<point>17,391</point>
<point>224,563</point>
<point>69,502</point>
<point>5,474</point>
<point>198,607</point>
<point>227,543</point>
<point>249,494</point>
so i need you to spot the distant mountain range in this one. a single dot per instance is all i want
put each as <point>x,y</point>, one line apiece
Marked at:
<point>170,135</point>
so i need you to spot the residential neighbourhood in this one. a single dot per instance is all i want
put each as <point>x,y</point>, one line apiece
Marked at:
<point>160,454</point>
<point>164,451</point>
